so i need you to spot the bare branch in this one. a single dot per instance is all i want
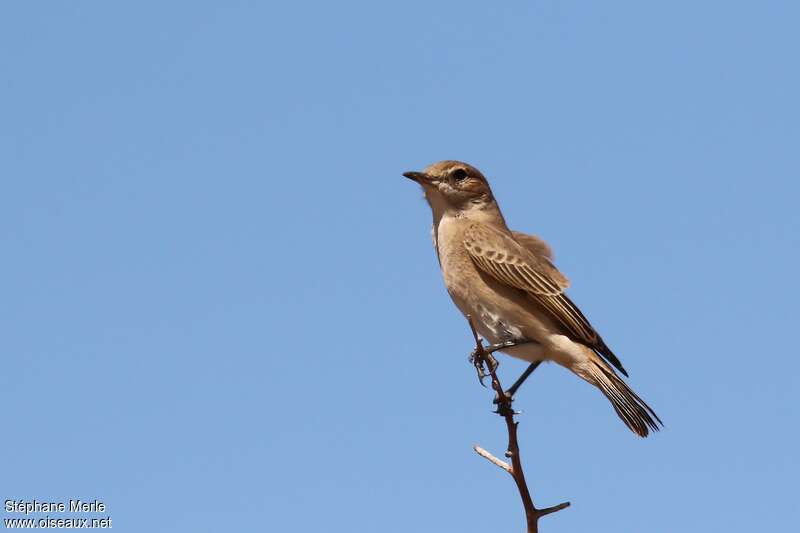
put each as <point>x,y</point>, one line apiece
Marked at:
<point>481,358</point>
<point>492,459</point>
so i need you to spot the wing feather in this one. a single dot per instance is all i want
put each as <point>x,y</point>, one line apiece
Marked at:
<point>503,257</point>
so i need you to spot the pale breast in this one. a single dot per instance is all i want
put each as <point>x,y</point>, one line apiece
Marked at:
<point>468,288</point>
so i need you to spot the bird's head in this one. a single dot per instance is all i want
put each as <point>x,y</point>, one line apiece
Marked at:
<point>454,186</point>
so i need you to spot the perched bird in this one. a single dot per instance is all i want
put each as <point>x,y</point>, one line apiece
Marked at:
<point>507,283</point>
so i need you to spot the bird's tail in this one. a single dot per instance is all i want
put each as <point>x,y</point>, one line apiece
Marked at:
<point>636,414</point>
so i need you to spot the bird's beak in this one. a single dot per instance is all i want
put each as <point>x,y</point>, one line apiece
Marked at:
<point>420,177</point>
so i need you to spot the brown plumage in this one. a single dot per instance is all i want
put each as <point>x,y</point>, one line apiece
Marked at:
<point>506,281</point>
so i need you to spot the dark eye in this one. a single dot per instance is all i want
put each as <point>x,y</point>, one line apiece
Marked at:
<point>459,174</point>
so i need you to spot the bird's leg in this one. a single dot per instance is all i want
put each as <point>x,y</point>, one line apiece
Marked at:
<point>479,355</point>
<point>487,352</point>
<point>528,371</point>
<point>520,380</point>
<point>502,346</point>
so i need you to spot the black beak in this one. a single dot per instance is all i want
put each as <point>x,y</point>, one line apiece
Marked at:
<point>419,177</point>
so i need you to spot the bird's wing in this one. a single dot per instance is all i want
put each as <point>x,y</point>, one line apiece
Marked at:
<point>542,251</point>
<point>502,257</point>
<point>534,244</point>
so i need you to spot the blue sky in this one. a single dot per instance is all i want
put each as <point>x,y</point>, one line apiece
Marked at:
<point>221,310</point>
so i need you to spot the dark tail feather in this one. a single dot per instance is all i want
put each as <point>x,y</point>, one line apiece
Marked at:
<point>609,356</point>
<point>636,414</point>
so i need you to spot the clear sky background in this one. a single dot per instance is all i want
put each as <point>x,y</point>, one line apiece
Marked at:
<point>221,309</point>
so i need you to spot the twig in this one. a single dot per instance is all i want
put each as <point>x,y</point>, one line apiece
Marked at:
<point>532,514</point>
<point>492,459</point>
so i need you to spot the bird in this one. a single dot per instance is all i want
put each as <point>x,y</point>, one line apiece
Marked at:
<point>506,282</point>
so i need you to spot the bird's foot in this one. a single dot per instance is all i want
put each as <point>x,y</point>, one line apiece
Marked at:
<point>484,363</point>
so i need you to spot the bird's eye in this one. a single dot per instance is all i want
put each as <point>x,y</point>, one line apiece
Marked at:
<point>459,174</point>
